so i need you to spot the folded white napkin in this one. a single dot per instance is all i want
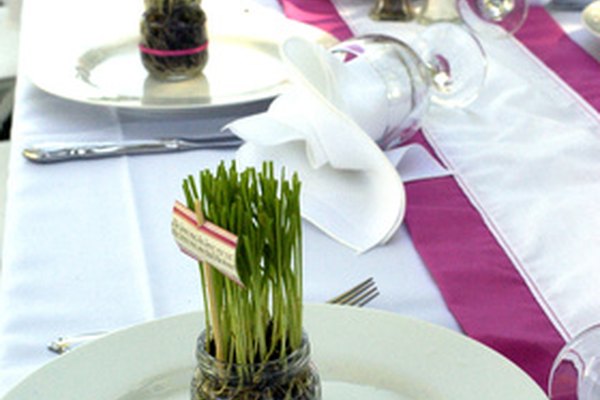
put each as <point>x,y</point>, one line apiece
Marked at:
<point>324,128</point>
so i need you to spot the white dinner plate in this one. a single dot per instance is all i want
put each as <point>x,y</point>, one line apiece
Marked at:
<point>98,62</point>
<point>360,354</point>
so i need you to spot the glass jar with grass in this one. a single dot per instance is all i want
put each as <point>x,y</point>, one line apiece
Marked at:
<point>174,40</point>
<point>253,346</point>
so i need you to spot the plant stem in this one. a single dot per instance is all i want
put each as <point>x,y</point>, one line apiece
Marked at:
<point>262,320</point>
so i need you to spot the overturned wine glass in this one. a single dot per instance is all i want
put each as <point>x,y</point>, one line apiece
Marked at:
<point>445,65</point>
<point>575,374</point>
<point>489,18</point>
<point>493,18</point>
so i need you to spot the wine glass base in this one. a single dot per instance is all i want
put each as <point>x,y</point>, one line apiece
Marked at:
<point>457,61</point>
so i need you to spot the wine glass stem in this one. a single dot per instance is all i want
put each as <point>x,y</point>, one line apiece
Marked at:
<point>440,73</point>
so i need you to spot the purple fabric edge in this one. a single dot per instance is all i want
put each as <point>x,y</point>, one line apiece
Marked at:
<point>479,272</point>
<point>319,13</point>
<point>476,277</point>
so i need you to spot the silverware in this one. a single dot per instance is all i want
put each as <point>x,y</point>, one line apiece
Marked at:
<point>568,5</point>
<point>49,153</point>
<point>64,344</point>
<point>357,296</point>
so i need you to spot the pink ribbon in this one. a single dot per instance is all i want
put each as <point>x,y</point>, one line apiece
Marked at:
<point>173,53</point>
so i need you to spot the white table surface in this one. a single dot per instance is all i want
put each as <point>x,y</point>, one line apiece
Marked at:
<point>88,247</point>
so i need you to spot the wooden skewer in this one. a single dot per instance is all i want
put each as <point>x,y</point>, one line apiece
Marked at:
<point>208,276</point>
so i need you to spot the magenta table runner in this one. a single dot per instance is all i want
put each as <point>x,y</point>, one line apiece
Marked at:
<point>480,285</point>
<point>545,38</point>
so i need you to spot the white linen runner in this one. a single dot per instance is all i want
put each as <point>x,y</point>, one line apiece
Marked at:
<point>532,169</point>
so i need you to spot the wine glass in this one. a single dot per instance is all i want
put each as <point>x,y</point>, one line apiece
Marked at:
<point>575,374</point>
<point>445,65</point>
<point>490,18</point>
<point>493,18</point>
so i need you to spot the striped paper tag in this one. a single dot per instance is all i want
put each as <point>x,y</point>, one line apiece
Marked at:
<point>205,243</point>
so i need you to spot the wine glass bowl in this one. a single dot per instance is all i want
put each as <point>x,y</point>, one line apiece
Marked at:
<point>405,84</point>
<point>445,65</point>
<point>493,18</point>
<point>575,373</point>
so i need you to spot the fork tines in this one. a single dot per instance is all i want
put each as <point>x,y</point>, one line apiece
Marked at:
<point>359,295</point>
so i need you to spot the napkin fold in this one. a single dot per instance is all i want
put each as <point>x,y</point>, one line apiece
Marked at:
<point>324,128</point>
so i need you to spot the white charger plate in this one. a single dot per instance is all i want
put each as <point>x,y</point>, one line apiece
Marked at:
<point>360,354</point>
<point>93,56</point>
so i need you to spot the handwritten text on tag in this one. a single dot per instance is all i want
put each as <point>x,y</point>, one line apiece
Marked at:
<point>205,243</point>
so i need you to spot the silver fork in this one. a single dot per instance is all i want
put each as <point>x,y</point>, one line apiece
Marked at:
<point>357,296</point>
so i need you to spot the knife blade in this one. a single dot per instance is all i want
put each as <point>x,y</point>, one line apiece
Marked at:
<point>52,152</point>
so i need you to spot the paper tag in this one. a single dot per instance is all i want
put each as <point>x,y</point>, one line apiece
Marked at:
<point>205,243</point>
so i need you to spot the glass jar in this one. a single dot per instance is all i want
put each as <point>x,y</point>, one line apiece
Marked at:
<point>174,41</point>
<point>291,378</point>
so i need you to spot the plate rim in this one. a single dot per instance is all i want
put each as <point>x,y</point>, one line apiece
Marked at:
<point>266,94</point>
<point>313,312</point>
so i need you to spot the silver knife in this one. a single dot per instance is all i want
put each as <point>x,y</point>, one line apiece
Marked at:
<point>568,5</point>
<point>49,153</point>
